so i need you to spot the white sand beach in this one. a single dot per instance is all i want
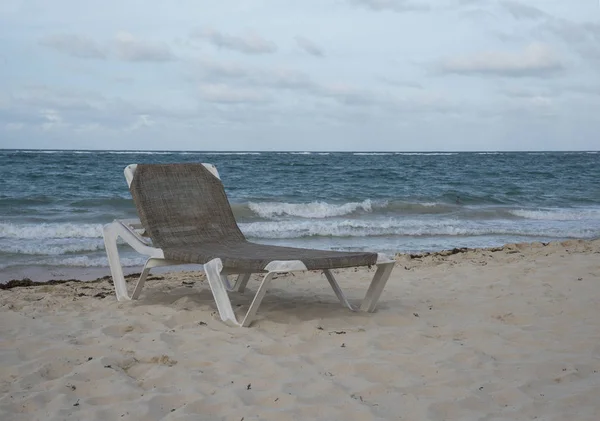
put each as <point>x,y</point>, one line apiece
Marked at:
<point>504,334</point>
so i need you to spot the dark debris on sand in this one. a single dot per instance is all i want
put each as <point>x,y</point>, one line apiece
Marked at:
<point>26,282</point>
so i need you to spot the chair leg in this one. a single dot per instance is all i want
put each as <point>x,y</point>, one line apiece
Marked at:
<point>110,233</point>
<point>225,280</point>
<point>213,275</point>
<point>338,291</point>
<point>373,293</point>
<point>110,243</point>
<point>377,285</point>
<point>260,294</point>
<point>150,263</point>
<point>242,280</point>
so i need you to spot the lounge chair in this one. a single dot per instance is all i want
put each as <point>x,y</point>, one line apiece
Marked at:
<point>185,218</point>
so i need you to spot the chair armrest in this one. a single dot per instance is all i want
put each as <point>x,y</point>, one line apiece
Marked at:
<point>134,226</point>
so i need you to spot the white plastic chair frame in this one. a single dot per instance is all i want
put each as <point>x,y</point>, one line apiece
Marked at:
<point>130,231</point>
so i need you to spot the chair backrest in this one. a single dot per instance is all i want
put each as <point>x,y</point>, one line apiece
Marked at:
<point>130,171</point>
<point>182,204</point>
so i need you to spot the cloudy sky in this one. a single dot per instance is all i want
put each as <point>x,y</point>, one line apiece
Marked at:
<point>401,75</point>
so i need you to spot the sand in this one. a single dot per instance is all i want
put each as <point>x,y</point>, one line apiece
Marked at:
<point>504,334</point>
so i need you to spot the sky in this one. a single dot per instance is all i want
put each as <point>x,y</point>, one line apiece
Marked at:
<point>310,75</point>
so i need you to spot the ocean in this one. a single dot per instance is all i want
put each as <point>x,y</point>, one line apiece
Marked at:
<point>53,203</point>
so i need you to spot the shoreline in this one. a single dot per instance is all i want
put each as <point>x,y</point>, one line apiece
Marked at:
<point>40,275</point>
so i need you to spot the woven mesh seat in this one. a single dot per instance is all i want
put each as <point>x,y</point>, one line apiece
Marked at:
<point>186,213</point>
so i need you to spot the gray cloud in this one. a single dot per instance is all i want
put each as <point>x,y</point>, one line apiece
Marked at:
<point>129,48</point>
<point>222,93</point>
<point>531,92</point>
<point>393,5</point>
<point>249,43</point>
<point>309,47</point>
<point>214,71</point>
<point>536,60</point>
<point>401,83</point>
<point>50,108</point>
<point>522,11</point>
<point>125,47</point>
<point>74,45</point>
<point>583,38</point>
<point>44,97</point>
<point>263,85</point>
<point>573,32</point>
<point>589,90</point>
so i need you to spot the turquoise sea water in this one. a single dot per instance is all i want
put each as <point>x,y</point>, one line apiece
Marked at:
<point>53,203</point>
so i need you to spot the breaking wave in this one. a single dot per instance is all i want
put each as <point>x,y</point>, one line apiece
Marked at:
<point>407,227</point>
<point>50,230</point>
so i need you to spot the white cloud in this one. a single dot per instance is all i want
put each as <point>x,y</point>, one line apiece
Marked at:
<point>143,121</point>
<point>309,47</point>
<point>248,43</point>
<point>77,46</point>
<point>535,60</point>
<point>52,118</point>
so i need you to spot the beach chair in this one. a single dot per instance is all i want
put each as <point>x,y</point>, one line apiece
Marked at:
<point>186,218</point>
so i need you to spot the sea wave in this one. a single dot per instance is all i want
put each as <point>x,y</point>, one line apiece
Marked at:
<point>406,227</point>
<point>557,214</point>
<point>50,247</point>
<point>50,230</point>
<point>270,210</point>
<point>427,153</point>
<point>87,261</point>
<point>321,209</point>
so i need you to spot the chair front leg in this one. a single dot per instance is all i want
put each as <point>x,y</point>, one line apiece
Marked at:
<point>376,287</point>
<point>150,263</point>
<point>213,274</point>
<point>110,234</point>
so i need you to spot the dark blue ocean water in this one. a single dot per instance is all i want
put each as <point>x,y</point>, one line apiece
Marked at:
<point>53,203</point>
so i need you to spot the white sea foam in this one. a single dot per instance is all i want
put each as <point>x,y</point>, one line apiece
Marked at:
<point>558,214</point>
<point>229,153</point>
<point>406,227</point>
<point>308,210</point>
<point>87,152</point>
<point>50,230</point>
<point>41,151</point>
<point>50,247</point>
<point>86,261</point>
<point>427,153</point>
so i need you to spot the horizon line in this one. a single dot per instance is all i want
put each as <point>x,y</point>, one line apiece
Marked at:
<point>302,151</point>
